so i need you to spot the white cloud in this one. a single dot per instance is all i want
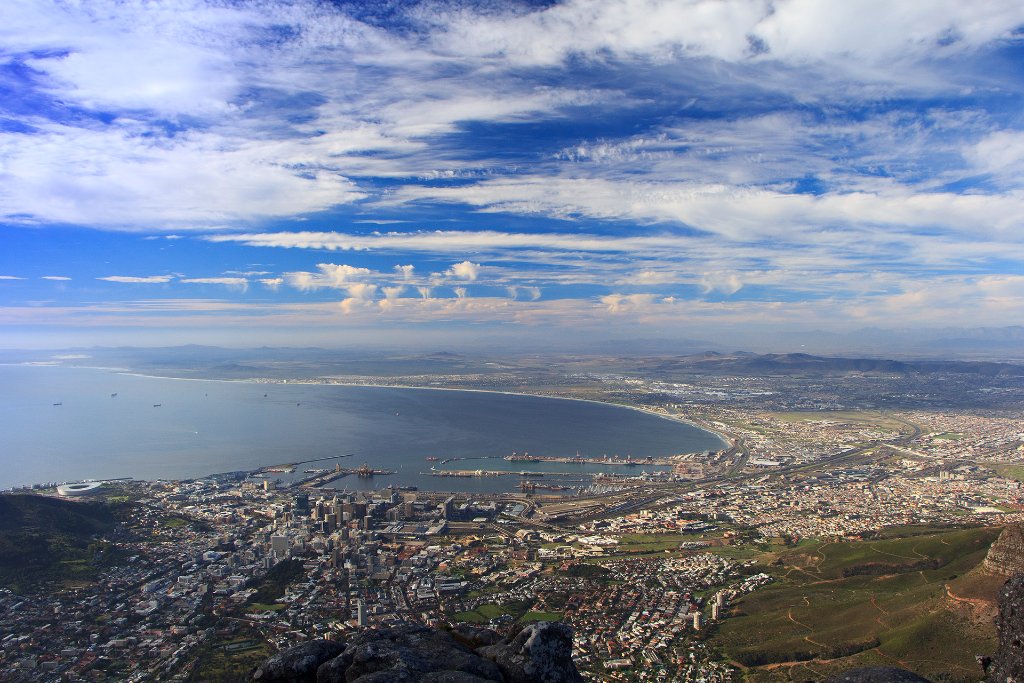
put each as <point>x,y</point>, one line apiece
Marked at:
<point>11,277</point>
<point>736,212</point>
<point>59,278</point>
<point>793,31</point>
<point>272,282</point>
<point>622,303</point>
<point>236,282</point>
<point>217,114</point>
<point>530,293</point>
<point>148,279</point>
<point>650,277</point>
<point>1000,154</point>
<point>464,270</point>
<point>359,294</point>
<point>330,275</point>
<point>460,292</point>
<point>405,271</point>
<point>120,178</point>
<point>726,283</point>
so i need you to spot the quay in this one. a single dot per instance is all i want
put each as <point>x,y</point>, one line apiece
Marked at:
<point>321,478</point>
<point>581,460</point>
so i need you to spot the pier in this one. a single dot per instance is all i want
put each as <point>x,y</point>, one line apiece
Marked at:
<point>581,460</point>
<point>289,467</point>
<point>322,478</point>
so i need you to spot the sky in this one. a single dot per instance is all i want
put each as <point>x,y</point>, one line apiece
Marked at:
<point>556,173</point>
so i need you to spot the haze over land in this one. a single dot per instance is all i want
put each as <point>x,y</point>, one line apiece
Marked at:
<point>832,178</point>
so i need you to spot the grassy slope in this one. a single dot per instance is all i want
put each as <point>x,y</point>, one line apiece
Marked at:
<point>48,539</point>
<point>838,605</point>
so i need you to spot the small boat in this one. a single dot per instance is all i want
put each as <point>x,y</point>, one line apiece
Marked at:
<point>58,404</point>
<point>433,458</point>
<point>157,405</point>
<point>113,395</point>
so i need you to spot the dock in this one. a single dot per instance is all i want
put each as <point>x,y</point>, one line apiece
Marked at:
<point>318,479</point>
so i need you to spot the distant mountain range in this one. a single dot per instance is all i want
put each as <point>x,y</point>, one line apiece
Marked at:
<point>283,363</point>
<point>742,363</point>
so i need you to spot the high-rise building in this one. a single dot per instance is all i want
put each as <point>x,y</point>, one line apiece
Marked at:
<point>279,545</point>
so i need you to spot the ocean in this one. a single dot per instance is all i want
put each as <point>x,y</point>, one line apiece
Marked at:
<point>66,424</point>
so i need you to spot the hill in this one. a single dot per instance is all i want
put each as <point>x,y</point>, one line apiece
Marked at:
<point>889,601</point>
<point>45,539</point>
<point>802,363</point>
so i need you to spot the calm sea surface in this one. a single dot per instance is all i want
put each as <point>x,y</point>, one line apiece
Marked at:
<point>158,428</point>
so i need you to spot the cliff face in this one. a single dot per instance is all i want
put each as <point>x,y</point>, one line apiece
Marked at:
<point>540,653</point>
<point>1007,665</point>
<point>1006,556</point>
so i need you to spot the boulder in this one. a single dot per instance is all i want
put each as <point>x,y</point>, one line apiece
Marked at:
<point>298,664</point>
<point>407,653</point>
<point>540,653</point>
<point>475,636</point>
<point>410,653</point>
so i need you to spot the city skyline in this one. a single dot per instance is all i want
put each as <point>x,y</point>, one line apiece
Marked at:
<point>297,173</point>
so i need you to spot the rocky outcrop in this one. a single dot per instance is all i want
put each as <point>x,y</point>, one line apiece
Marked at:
<point>298,663</point>
<point>1006,556</point>
<point>406,654</point>
<point>1007,665</point>
<point>540,653</point>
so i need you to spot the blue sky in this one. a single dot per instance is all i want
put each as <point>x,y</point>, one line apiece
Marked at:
<point>250,173</point>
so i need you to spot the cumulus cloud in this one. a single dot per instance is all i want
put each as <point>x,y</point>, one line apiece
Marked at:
<point>360,294</point>
<point>621,303</point>
<point>330,275</point>
<point>465,270</point>
<point>405,271</point>
<point>272,282</point>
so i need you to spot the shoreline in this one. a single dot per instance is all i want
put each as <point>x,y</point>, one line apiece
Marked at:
<point>265,380</point>
<point>722,439</point>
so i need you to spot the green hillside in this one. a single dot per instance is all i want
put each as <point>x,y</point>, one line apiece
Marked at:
<point>45,539</point>
<point>836,605</point>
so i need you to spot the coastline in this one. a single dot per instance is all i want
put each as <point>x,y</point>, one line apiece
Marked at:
<point>91,373</point>
<point>266,380</point>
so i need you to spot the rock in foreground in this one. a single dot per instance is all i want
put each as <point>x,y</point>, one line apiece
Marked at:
<point>1008,662</point>
<point>540,653</point>
<point>298,663</point>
